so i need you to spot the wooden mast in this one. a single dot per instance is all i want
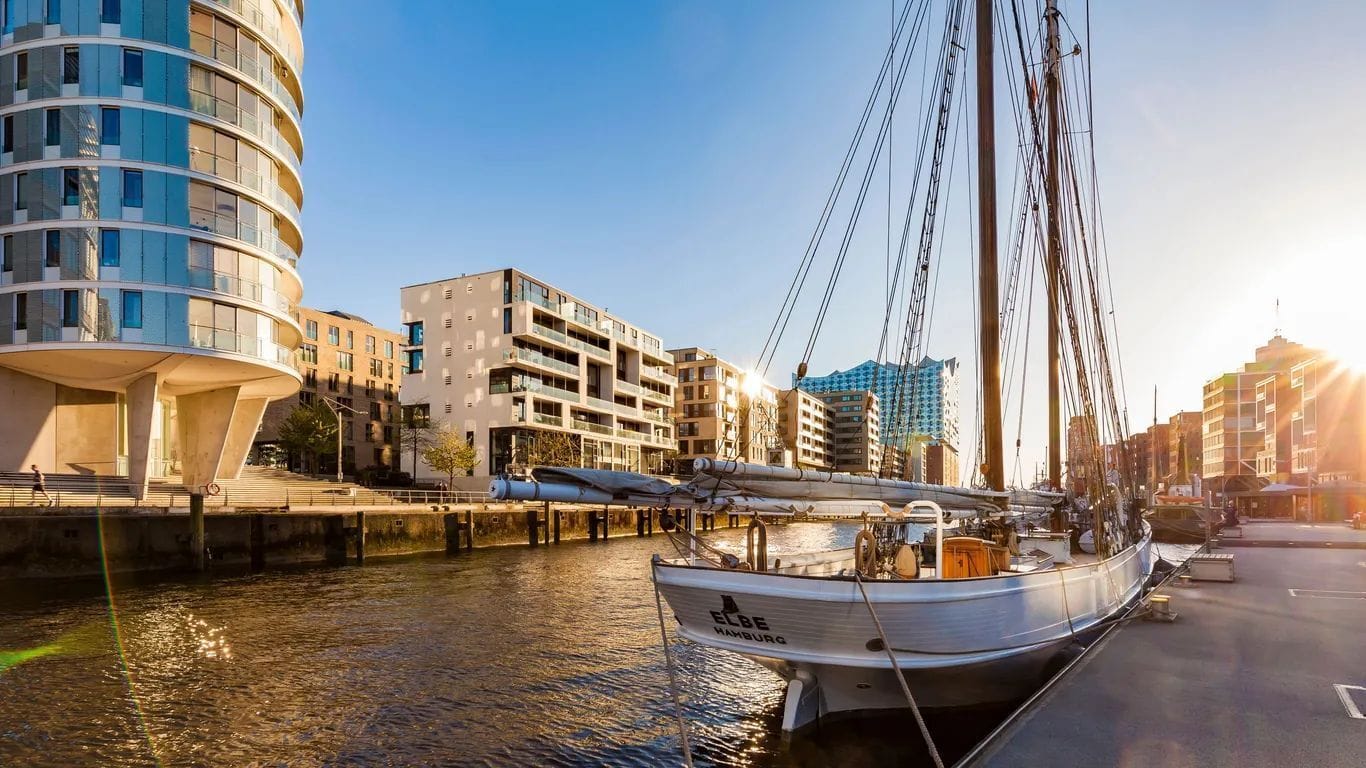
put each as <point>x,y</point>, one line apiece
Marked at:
<point>993,464</point>
<point>1053,259</point>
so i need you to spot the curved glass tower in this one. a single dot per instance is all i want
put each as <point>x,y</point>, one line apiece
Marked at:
<point>150,196</point>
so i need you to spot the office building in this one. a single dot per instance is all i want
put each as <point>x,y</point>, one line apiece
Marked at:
<point>919,401</point>
<point>149,211</point>
<point>1328,437</point>
<point>722,411</point>
<point>350,366</point>
<point>1231,439</point>
<point>1186,447</point>
<point>807,429</point>
<point>520,366</point>
<point>856,440</point>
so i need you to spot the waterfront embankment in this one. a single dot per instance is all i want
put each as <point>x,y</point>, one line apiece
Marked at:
<point>74,542</point>
<point>1264,671</point>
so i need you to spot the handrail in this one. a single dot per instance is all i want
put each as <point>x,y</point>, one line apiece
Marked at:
<point>208,104</point>
<point>248,177</point>
<point>250,67</point>
<point>229,226</point>
<point>206,337</point>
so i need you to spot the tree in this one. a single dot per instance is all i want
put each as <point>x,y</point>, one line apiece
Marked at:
<point>553,449</point>
<point>310,430</point>
<point>415,430</point>
<point>450,453</point>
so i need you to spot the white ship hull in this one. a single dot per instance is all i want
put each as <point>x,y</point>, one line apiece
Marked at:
<point>959,642</point>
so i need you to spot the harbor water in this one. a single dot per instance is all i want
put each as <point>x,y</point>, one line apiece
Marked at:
<point>504,656</point>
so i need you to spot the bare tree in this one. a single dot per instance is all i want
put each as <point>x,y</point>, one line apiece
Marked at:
<point>554,449</point>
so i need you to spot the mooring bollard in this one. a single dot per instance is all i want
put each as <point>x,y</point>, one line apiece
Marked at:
<point>593,525</point>
<point>640,523</point>
<point>197,530</point>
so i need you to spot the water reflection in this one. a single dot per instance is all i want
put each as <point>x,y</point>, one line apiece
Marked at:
<point>505,656</point>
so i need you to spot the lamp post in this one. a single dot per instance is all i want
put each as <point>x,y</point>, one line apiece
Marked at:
<point>336,408</point>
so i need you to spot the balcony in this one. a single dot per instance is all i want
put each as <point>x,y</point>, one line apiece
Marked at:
<point>568,341</point>
<point>658,397</point>
<point>540,301</point>
<point>536,387</point>
<point>547,419</point>
<point>588,426</point>
<point>229,226</point>
<point>270,136</point>
<point>656,373</point>
<point>205,337</point>
<point>602,405</point>
<point>628,388</point>
<point>236,286</point>
<point>252,13</point>
<point>531,357</point>
<point>649,415</point>
<point>257,70</point>
<point>629,411</point>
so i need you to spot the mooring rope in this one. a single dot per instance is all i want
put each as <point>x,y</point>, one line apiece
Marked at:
<point>673,676</point>
<point>906,689</point>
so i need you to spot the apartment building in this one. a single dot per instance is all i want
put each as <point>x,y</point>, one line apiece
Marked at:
<point>808,430</point>
<point>1185,447</point>
<point>1328,423</point>
<point>351,366</point>
<point>922,400</point>
<point>150,218</point>
<point>722,411</point>
<point>1082,462</point>
<point>518,364</point>
<point>856,440</point>
<point>1273,412</point>
<point>1231,438</point>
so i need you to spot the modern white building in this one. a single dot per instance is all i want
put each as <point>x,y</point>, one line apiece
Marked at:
<point>509,359</point>
<point>150,195</point>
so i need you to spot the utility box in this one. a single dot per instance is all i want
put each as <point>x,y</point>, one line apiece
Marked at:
<point>1212,567</point>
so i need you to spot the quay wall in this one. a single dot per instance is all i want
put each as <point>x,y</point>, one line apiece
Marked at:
<point>75,542</point>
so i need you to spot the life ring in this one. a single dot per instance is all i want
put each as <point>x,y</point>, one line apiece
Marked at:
<point>212,489</point>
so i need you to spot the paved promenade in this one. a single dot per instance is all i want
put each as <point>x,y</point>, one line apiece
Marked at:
<point>1250,674</point>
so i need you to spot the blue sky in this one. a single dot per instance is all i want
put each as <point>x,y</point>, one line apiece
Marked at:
<point>669,160</point>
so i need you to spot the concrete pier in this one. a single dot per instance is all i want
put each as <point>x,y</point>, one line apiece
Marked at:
<point>1265,671</point>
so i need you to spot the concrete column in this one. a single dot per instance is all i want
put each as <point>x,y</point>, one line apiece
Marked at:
<point>204,420</point>
<point>246,419</point>
<point>142,400</point>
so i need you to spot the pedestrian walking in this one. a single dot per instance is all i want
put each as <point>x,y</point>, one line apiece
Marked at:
<point>40,486</point>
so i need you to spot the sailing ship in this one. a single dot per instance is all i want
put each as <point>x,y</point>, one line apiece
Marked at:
<point>980,616</point>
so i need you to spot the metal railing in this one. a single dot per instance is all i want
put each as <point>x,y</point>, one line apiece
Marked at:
<point>588,426</point>
<point>229,226</point>
<point>204,162</point>
<point>208,104</point>
<point>236,286</point>
<point>206,337</point>
<point>519,355</point>
<point>257,19</point>
<point>207,46</point>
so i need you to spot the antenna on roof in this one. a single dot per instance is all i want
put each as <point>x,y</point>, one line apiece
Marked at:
<point>1278,316</point>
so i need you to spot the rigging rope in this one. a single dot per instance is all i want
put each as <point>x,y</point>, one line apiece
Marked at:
<point>673,676</point>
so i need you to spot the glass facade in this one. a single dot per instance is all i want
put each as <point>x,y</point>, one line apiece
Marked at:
<point>925,403</point>
<point>156,143</point>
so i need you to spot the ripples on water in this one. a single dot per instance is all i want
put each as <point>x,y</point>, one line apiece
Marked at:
<point>505,656</point>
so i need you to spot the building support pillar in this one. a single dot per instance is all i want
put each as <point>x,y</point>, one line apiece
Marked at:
<point>204,420</point>
<point>142,401</point>
<point>246,420</point>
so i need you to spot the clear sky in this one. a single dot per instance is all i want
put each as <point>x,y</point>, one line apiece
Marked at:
<point>669,159</point>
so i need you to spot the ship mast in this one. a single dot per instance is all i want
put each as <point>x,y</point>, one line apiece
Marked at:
<point>1053,258</point>
<point>993,465</point>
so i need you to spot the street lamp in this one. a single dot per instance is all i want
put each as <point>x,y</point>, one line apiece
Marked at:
<point>336,408</point>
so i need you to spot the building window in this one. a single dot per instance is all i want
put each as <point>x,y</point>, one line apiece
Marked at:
<point>9,134</point>
<point>308,353</point>
<point>334,335</point>
<point>414,361</point>
<point>110,11</point>
<point>109,247</point>
<point>132,67</point>
<point>132,189</point>
<point>369,345</point>
<point>109,126</point>
<point>7,262</point>
<point>52,251</point>
<point>71,65</point>
<point>20,189</point>
<point>21,71</point>
<point>54,12</point>
<point>71,186</point>
<point>345,362</point>
<point>311,329</point>
<point>71,309</point>
<point>389,349</point>
<point>415,333</point>
<point>54,127</point>
<point>507,319</point>
<point>20,311</point>
<point>350,340</point>
<point>132,309</point>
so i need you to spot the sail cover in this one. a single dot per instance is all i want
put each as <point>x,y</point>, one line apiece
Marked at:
<point>732,485</point>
